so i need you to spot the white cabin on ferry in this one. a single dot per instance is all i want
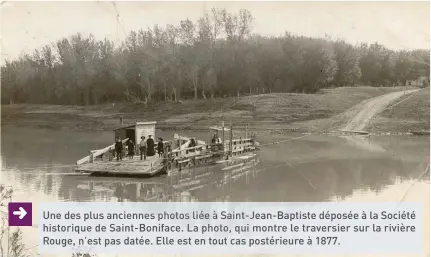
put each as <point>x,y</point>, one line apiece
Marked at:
<point>136,131</point>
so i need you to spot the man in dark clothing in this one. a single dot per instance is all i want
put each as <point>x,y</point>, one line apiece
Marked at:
<point>192,144</point>
<point>150,146</point>
<point>160,147</point>
<point>130,149</point>
<point>119,149</point>
<point>143,148</point>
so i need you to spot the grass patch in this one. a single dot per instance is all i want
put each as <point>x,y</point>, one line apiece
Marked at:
<point>412,114</point>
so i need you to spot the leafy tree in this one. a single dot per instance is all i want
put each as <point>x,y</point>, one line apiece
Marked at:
<point>215,56</point>
<point>347,57</point>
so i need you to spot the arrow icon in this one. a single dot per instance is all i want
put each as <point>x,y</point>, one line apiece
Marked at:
<point>21,213</point>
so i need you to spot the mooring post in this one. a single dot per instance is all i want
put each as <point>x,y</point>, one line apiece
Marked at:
<point>170,152</point>
<point>179,138</point>
<point>211,137</point>
<point>121,121</point>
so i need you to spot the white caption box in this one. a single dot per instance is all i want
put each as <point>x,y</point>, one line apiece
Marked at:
<point>231,228</point>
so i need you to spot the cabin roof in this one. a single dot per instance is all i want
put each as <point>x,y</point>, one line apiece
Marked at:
<point>137,124</point>
<point>219,129</point>
<point>125,127</point>
<point>146,122</point>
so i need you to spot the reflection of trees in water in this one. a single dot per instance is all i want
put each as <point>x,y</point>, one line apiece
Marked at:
<point>119,192</point>
<point>71,189</point>
<point>64,190</point>
<point>48,177</point>
<point>48,185</point>
<point>36,180</point>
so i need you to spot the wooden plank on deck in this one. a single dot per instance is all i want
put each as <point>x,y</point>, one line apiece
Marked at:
<point>150,166</point>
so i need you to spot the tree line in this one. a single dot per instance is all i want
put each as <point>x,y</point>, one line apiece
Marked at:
<point>216,56</point>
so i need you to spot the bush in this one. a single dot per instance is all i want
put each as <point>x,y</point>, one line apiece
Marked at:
<point>11,244</point>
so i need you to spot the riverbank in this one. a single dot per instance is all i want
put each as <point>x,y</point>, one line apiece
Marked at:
<point>281,112</point>
<point>410,113</point>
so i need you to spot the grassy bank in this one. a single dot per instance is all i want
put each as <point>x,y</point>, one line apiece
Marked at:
<point>410,113</point>
<point>277,111</point>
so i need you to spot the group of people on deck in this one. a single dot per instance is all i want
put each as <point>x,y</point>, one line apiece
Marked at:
<point>146,148</point>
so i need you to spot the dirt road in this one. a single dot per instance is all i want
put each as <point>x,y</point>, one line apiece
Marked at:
<point>366,111</point>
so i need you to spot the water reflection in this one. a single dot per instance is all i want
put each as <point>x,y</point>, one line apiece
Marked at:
<point>364,142</point>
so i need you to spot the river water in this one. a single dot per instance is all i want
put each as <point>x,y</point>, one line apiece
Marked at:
<point>37,163</point>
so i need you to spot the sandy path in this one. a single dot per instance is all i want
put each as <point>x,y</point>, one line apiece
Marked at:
<point>372,107</point>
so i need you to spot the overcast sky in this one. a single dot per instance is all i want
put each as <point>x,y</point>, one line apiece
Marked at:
<point>397,25</point>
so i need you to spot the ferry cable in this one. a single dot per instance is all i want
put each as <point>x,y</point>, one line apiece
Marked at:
<point>414,182</point>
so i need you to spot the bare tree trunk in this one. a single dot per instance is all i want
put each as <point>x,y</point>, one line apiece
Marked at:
<point>203,93</point>
<point>149,90</point>
<point>166,96</point>
<point>95,98</point>
<point>148,87</point>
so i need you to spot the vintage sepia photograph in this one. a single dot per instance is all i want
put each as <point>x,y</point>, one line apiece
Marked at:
<point>223,101</point>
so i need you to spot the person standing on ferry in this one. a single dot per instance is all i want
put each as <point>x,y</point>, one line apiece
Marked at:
<point>143,148</point>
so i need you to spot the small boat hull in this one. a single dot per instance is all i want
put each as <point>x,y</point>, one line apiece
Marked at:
<point>136,168</point>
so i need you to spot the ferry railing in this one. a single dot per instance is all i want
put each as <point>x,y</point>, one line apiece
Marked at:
<point>96,153</point>
<point>237,145</point>
<point>189,150</point>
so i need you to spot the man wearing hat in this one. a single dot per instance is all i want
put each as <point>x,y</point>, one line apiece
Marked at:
<point>160,147</point>
<point>143,148</point>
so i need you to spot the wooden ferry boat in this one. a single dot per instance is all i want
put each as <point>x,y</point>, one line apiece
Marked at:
<point>179,153</point>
